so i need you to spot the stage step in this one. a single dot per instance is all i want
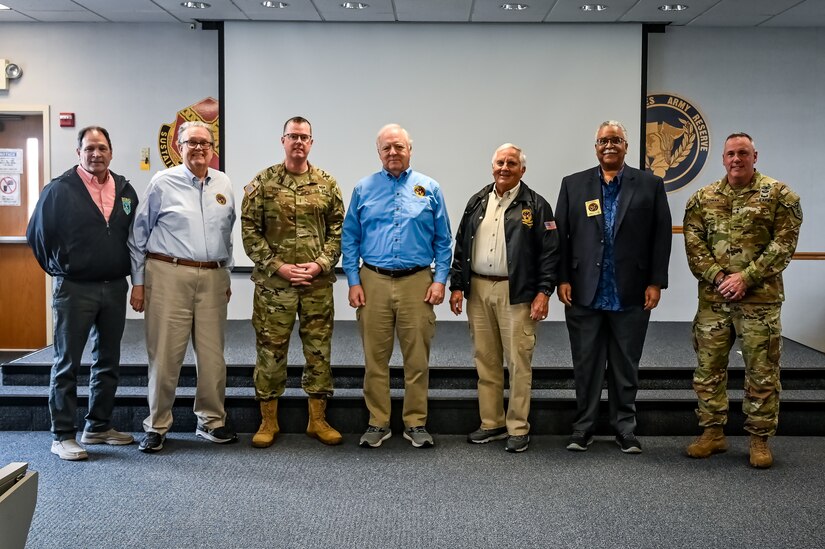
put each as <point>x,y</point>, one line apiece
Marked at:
<point>666,401</point>
<point>441,377</point>
<point>451,411</point>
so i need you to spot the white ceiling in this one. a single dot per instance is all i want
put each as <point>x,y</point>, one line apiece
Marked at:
<point>704,13</point>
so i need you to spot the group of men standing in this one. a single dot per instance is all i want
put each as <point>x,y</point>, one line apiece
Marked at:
<point>605,250</point>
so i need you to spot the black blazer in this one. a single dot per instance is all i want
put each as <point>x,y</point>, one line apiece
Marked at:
<point>642,235</point>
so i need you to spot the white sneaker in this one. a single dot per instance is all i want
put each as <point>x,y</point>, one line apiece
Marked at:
<point>69,450</point>
<point>115,438</point>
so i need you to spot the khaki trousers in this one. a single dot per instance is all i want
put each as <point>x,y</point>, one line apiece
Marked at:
<point>182,302</point>
<point>396,306</point>
<point>501,333</point>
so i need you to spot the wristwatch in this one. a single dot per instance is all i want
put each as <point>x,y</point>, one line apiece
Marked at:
<point>546,292</point>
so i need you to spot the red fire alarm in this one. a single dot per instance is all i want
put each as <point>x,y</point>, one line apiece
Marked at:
<point>67,120</point>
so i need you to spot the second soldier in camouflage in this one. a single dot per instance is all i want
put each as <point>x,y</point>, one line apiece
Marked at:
<point>291,219</point>
<point>740,234</point>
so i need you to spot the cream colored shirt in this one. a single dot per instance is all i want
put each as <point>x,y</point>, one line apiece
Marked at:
<point>489,246</point>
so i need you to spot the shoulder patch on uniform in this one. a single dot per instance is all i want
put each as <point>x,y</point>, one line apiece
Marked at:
<point>252,188</point>
<point>692,202</point>
<point>791,200</point>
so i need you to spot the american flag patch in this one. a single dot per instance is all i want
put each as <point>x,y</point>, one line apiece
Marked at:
<point>550,225</point>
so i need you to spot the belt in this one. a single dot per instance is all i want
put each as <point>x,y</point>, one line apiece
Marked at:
<point>187,262</point>
<point>395,273</point>
<point>491,277</point>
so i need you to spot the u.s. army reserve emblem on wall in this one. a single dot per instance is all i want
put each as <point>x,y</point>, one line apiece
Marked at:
<point>677,140</point>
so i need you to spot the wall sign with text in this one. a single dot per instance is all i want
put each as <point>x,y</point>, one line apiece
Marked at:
<point>677,140</point>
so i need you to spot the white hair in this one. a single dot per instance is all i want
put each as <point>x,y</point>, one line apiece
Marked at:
<point>522,158</point>
<point>394,127</point>
<point>612,123</point>
<point>194,124</point>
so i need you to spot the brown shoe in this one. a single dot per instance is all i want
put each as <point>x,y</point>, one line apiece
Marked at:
<point>269,429</point>
<point>318,426</point>
<point>761,456</point>
<point>712,441</point>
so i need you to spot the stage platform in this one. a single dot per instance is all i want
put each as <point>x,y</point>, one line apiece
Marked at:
<point>665,400</point>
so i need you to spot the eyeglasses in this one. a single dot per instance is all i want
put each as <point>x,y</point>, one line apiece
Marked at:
<point>602,141</point>
<point>205,145</point>
<point>302,137</point>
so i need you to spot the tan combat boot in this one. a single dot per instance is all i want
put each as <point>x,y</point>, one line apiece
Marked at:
<point>318,426</point>
<point>761,456</point>
<point>712,441</point>
<point>269,429</point>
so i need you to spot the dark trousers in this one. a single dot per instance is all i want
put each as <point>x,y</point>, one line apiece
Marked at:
<point>82,309</point>
<point>610,341</point>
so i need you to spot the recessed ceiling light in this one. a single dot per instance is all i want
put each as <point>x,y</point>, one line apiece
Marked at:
<point>593,7</point>
<point>271,4</point>
<point>354,6</point>
<point>196,5</point>
<point>673,7</point>
<point>515,7</point>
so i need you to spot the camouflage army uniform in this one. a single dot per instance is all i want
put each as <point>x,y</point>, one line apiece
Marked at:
<point>292,219</point>
<point>752,231</point>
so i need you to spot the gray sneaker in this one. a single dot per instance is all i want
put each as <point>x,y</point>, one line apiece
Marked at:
<point>517,443</point>
<point>374,436</point>
<point>483,436</point>
<point>419,437</point>
<point>115,438</point>
<point>69,450</point>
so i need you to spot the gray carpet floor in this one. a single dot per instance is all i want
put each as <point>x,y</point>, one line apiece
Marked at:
<point>667,344</point>
<point>299,493</point>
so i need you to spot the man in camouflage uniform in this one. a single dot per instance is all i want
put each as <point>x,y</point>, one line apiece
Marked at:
<point>740,234</point>
<point>291,220</point>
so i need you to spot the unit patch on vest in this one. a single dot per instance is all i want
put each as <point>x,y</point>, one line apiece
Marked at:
<point>127,204</point>
<point>527,218</point>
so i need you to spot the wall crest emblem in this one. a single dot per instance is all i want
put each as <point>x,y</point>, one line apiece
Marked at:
<point>205,111</point>
<point>677,140</point>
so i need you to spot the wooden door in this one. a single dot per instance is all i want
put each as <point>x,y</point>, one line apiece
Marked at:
<point>22,282</point>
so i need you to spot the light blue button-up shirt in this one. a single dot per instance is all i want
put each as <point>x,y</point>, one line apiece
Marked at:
<point>397,223</point>
<point>181,218</point>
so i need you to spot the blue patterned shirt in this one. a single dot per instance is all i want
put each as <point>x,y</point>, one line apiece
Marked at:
<point>396,223</point>
<point>607,294</point>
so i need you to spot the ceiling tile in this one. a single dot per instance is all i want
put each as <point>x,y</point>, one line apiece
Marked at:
<point>378,10</point>
<point>807,14</point>
<point>741,13</point>
<point>297,10</point>
<point>569,11</point>
<point>442,11</point>
<point>489,11</point>
<point>647,11</point>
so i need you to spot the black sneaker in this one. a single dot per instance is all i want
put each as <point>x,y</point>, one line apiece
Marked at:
<point>629,443</point>
<point>517,443</point>
<point>152,442</point>
<point>482,436</point>
<point>579,441</point>
<point>218,435</point>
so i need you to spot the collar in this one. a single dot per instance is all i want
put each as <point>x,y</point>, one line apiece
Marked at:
<point>402,176</point>
<point>193,179</point>
<point>617,179</point>
<point>88,177</point>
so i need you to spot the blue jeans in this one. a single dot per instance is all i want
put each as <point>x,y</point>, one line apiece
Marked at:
<point>82,309</point>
